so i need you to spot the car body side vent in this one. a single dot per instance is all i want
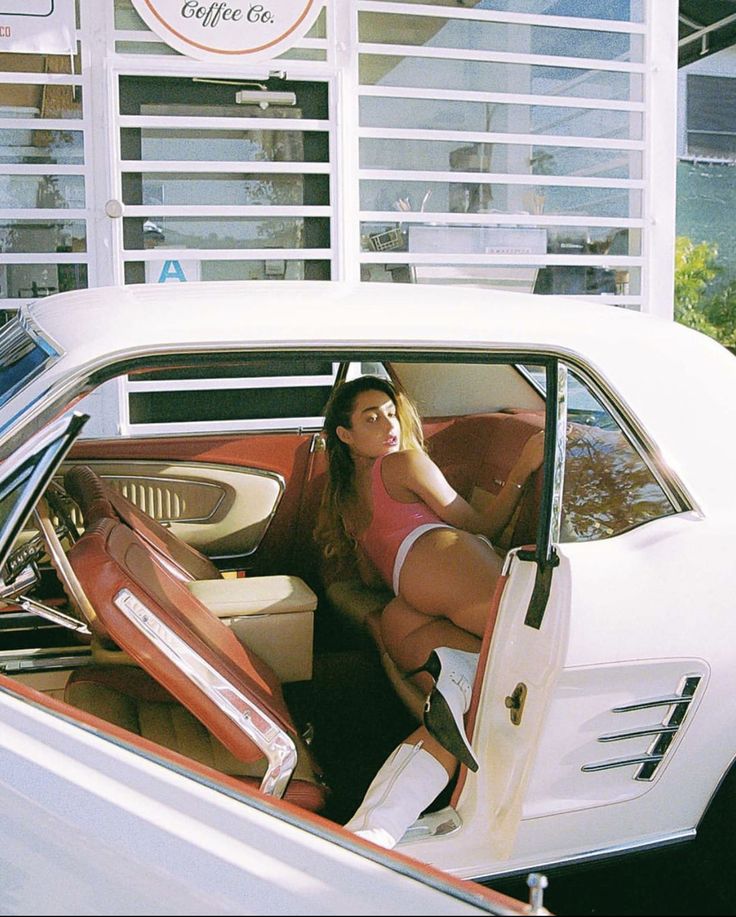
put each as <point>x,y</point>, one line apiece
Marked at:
<point>662,733</point>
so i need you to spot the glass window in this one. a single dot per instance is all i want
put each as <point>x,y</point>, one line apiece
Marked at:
<point>711,116</point>
<point>480,35</point>
<point>26,192</point>
<point>624,10</point>
<point>459,115</point>
<point>464,197</point>
<point>30,281</point>
<point>512,158</point>
<point>171,188</point>
<point>40,100</point>
<point>567,279</point>
<point>31,236</point>
<point>226,232</point>
<point>21,358</point>
<point>210,145</point>
<point>257,393</point>
<point>21,145</point>
<point>446,73</point>
<point>608,488</point>
<point>563,240</point>
<point>175,270</point>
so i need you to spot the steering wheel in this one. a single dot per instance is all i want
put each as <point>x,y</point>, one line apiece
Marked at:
<point>33,551</point>
<point>68,578</point>
<point>55,498</point>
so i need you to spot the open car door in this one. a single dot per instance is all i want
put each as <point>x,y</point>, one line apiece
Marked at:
<point>522,660</point>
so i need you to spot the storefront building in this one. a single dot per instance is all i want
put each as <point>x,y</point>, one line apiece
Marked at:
<point>512,144</point>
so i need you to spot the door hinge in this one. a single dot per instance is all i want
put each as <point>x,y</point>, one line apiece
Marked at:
<point>542,586</point>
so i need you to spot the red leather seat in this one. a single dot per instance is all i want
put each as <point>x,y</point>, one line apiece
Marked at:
<point>190,657</point>
<point>97,499</point>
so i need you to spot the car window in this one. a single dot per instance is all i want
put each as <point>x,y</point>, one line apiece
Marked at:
<point>21,357</point>
<point>27,472</point>
<point>608,487</point>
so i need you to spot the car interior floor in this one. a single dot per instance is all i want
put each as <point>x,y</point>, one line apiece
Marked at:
<point>351,709</point>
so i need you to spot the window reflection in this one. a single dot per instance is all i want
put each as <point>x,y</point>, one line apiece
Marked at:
<point>442,73</point>
<point>608,488</point>
<point>521,158</point>
<point>481,35</point>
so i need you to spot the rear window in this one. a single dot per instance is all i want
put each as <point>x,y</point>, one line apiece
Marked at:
<point>22,357</point>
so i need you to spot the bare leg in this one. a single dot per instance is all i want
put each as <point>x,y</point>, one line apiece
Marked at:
<point>451,574</point>
<point>412,636</point>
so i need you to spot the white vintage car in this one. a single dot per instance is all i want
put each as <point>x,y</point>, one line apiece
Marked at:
<point>192,701</point>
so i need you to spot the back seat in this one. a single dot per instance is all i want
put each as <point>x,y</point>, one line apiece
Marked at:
<point>476,454</point>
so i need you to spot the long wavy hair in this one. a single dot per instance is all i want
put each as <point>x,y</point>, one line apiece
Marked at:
<point>339,494</point>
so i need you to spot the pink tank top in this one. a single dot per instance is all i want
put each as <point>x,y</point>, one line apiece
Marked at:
<point>392,521</point>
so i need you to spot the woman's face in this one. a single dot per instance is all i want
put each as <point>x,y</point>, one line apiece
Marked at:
<point>374,427</point>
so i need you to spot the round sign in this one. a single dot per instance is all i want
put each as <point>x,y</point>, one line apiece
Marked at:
<point>229,29</point>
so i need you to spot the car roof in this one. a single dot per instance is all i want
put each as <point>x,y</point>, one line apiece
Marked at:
<point>309,312</point>
<point>678,383</point>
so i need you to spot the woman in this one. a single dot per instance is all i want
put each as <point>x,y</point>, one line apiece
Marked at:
<point>388,501</point>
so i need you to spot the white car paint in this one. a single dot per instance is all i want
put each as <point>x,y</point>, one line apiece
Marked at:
<point>628,617</point>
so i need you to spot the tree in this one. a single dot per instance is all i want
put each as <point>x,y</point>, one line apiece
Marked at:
<point>697,303</point>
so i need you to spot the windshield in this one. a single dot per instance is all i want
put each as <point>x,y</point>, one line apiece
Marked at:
<point>22,356</point>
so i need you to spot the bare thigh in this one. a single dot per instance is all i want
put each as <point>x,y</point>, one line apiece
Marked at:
<point>410,637</point>
<point>453,574</point>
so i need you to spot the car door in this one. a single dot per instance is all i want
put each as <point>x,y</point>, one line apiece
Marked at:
<point>523,660</point>
<point>581,709</point>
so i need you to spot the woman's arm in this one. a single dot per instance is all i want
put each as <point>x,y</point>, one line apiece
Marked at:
<point>416,473</point>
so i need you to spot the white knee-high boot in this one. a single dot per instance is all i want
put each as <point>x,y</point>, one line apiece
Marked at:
<point>408,781</point>
<point>454,673</point>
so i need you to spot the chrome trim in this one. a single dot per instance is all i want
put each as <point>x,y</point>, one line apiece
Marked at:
<point>266,734</point>
<point>558,476</point>
<point>656,702</point>
<point>620,762</point>
<point>434,824</point>
<point>26,578</point>
<point>44,340</point>
<point>676,718</point>
<point>601,853</point>
<point>57,663</point>
<point>664,733</point>
<point>34,607</point>
<point>635,733</point>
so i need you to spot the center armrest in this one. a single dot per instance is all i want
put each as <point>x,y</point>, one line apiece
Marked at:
<point>255,595</point>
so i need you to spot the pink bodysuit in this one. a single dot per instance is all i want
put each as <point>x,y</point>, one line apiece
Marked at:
<point>394,528</point>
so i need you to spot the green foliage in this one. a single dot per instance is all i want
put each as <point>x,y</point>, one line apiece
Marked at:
<point>698,304</point>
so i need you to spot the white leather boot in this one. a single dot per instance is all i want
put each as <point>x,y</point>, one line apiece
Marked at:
<point>408,781</point>
<point>454,673</point>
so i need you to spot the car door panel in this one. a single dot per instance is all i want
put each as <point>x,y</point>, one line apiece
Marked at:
<point>248,485</point>
<point>521,658</point>
<point>218,509</point>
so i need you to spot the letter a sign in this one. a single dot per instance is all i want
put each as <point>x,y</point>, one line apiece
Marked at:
<point>234,30</point>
